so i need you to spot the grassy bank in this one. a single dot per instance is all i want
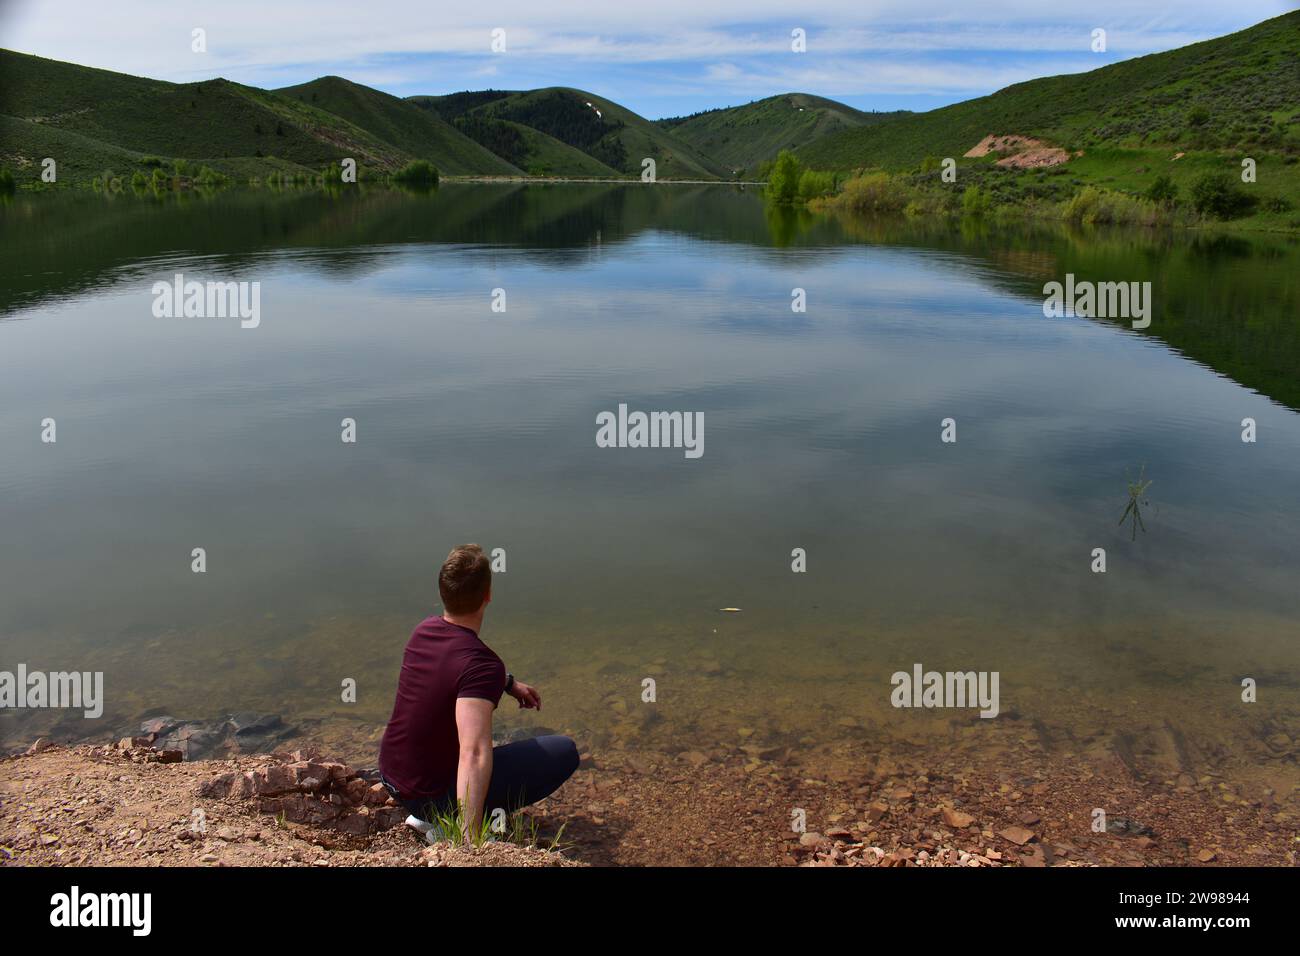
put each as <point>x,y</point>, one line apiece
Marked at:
<point>1111,187</point>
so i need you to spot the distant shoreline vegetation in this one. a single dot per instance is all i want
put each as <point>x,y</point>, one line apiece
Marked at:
<point>156,176</point>
<point>982,190</point>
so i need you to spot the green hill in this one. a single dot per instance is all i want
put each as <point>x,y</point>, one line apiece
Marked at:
<point>1239,92</point>
<point>608,133</point>
<point>741,137</point>
<point>81,115</point>
<point>531,150</point>
<point>402,124</point>
<point>91,120</point>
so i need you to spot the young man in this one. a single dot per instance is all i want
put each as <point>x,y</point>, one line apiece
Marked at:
<point>437,749</point>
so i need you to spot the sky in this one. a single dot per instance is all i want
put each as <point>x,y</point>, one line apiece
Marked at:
<point>657,57</point>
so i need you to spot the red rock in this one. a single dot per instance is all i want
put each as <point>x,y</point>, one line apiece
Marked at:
<point>337,771</point>
<point>318,812</point>
<point>170,756</point>
<point>354,823</point>
<point>877,810</point>
<point>275,779</point>
<point>233,784</point>
<point>1017,835</point>
<point>293,806</point>
<point>388,817</point>
<point>376,795</point>
<point>356,790</point>
<point>1034,859</point>
<point>308,774</point>
<point>957,819</point>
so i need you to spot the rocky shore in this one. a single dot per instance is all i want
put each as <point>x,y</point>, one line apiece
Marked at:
<point>141,802</point>
<point>133,804</point>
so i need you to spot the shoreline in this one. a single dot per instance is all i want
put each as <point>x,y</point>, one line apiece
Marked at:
<point>1000,215</point>
<point>133,804</point>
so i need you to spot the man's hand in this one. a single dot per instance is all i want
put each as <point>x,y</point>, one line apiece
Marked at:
<point>527,696</point>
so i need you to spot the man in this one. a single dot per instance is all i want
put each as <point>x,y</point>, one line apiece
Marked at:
<point>437,751</point>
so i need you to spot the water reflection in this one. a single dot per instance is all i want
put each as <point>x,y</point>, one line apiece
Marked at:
<point>824,434</point>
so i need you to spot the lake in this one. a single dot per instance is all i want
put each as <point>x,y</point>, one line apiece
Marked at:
<point>822,432</point>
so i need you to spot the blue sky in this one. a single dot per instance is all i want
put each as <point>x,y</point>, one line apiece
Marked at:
<point>662,58</point>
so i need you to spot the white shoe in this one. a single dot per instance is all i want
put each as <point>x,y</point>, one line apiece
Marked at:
<point>422,827</point>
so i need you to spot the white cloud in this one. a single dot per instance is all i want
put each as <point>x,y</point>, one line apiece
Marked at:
<point>290,40</point>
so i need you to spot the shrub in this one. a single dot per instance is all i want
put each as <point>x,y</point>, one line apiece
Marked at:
<point>7,184</point>
<point>975,201</point>
<point>813,184</point>
<point>1198,116</point>
<point>871,193</point>
<point>418,172</point>
<point>1215,194</point>
<point>210,177</point>
<point>1094,206</point>
<point>1163,191</point>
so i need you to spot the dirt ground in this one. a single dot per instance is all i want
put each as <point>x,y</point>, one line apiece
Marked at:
<point>105,806</point>
<point>98,806</point>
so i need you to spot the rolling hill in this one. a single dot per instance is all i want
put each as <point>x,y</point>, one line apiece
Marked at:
<point>400,123</point>
<point>92,120</point>
<point>1237,91</point>
<point>741,137</point>
<point>78,113</point>
<point>1182,113</point>
<point>612,135</point>
<point>518,144</point>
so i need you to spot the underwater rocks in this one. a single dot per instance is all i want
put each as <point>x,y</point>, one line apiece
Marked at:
<point>226,736</point>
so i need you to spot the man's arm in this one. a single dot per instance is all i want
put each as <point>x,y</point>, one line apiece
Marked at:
<point>474,771</point>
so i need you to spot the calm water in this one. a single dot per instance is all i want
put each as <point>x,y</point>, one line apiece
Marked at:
<point>822,432</point>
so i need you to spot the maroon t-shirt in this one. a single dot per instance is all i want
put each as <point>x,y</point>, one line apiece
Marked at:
<point>443,662</point>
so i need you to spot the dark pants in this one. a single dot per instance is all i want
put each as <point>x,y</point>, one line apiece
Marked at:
<point>522,773</point>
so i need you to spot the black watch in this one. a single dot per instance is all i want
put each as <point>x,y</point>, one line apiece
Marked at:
<point>510,682</point>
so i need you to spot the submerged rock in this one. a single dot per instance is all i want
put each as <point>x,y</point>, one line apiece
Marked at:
<point>240,733</point>
<point>1125,827</point>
